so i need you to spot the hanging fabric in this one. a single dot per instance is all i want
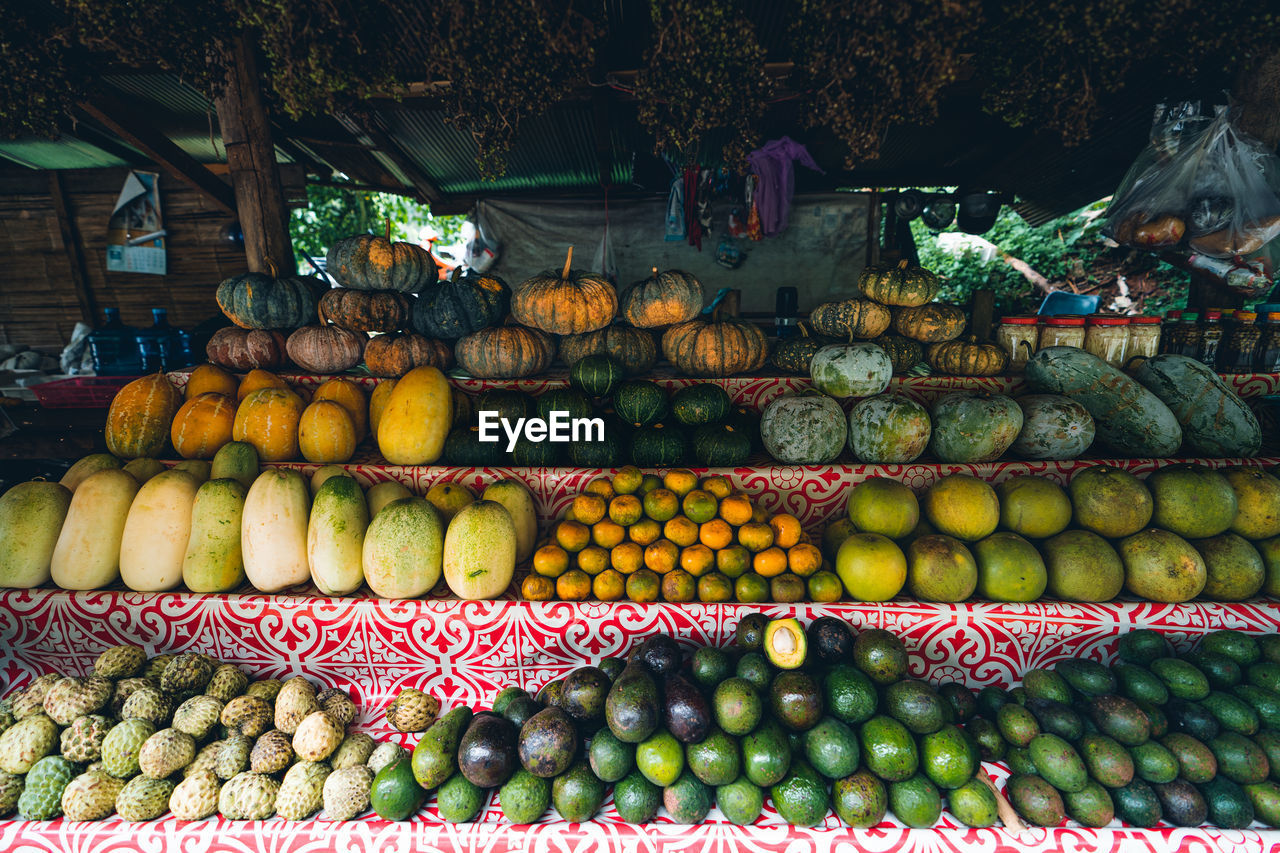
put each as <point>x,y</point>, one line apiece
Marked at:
<point>773,163</point>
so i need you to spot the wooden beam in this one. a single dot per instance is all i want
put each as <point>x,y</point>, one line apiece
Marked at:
<point>251,157</point>
<point>131,126</point>
<point>72,246</point>
<point>364,125</point>
<point>1257,91</point>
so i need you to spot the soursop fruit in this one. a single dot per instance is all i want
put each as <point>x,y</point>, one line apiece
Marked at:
<point>267,688</point>
<point>123,661</point>
<point>147,703</point>
<point>10,790</point>
<point>197,716</point>
<point>75,697</point>
<point>42,794</point>
<point>248,796</point>
<point>91,796</point>
<point>249,715</point>
<point>165,753</point>
<point>295,702</point>
<point>272,753</point>
<point>386,754</point>
<point>122,744</point>
<point>125,688</point>
<point>301,793</point>
<point>26,742</point>
<point>355,749</point>
<point>233,758</point>
<point>144,798</point>
<point>31,700</point>
<point>346,792</point>
<point>228,682</point>
<point>188,671</point>
<point>196,797</point>
<point>82,740</point>
<point>412,710</point>
<point>338,704</point>
<point>317,736</point>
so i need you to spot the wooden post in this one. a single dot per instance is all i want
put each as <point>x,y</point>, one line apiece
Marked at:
<point>1257,91</point>
<point>72,246</point>
<point>982,313</point>
<point>251,159</point>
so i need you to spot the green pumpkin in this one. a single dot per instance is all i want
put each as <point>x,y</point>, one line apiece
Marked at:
<point>610,453</point>
<point>658,446</point>
<point>463,305</point>
<point>597,375</point>
<point>747,422</point>
<point>509,404</point>
<point>901,284</point>
<point>704,403</point>
<point>538,454</point>
<point>375,262</point>
<point>464,449</point>
<point>904,353</point>
<point>259,301</point>
<point>640,402</point>
<point>720,446</point>
<point>792,355</point>
<point>635,349</point>
<point>570,400</point>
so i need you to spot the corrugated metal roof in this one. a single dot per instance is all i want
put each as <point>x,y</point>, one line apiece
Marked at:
<point>64,153</point>
<point>163,91</point>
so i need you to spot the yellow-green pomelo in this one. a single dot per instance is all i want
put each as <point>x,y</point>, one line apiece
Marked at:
<point>1257,502</point>
<point>834,534</point>
<point>871,566</point>
<point>448,498</point>
<point>962,506</point>
<point>1009,568</point>
<point>1161,566</point>
<point>1191,501</point>
<point>940,568</point>
<point>1034,507</point>
<point>1269,550</point>
<point>1110,502</point>
<point>1082,566</point>
<point>883,506</point>
<point>1234,569</point>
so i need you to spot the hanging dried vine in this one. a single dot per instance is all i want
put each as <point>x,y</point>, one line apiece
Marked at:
<point>42,75</point>
<point>870,65</point>
<point>704,73</point>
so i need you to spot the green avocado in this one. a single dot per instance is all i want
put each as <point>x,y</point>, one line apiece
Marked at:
<point>1017,725</point>
<point>888,750</point>
<point>711,666</point>
<point>548,743</point>
<point>632,709</point>
<point>766,755</point>
<point>715,760</point>
<point>1137,804</point>
<point>688,799</point>
<point>849,695</point>
<point>1089,677</point>
<point>636,798</point>
<point>801,797</point>
<point>755,670</point>
<point>577,794</point>
<point>741,801</point>
<point>1142,646</point>
<point>1240,759</point>
<point>832,748</point>
<point>1265,799</point>
<point>948,757</point>
<point>1046,684</point>
<point>1181,804</point>
<point>991,745</point>
<point>435,758</point>
<point>1106,760</point>
<point>1121,719</point>
<point>660,758</point>
<point>1196,763</point>
<point>795,700</point>
<point>1232,713</point>
<point>525,797</point>
<point>860,799</point>
<point>973,804</point>
<point>916,802</point>
<point>750,634</point>
<point>458,800</point>
<point>1184,680</point>
<point>1058,763</point>
<point>395,794</point>
<point>916,705</point>
<point>880,655</point>
<point>610,758</point>
<point>1154,763</point>
<point>1136,682</point>
<point>1056,718</point>
<point>1036,800</point>
<point>1229,806</point>
<point>1237,645</point>
<point>1090,806</point>
<point>737,706</point>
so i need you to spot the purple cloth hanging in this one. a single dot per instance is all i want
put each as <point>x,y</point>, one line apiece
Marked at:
<point>773,163</point>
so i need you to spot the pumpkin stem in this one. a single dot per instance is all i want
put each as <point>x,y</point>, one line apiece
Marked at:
<point>654,273</point>
<point>804,330</point>
<point>271,266</point>
<point>903,264</point>
<point>388,229</point>
<point>568,261</point>
<point>457,271</point>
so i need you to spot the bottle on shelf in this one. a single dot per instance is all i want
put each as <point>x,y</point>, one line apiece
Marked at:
<point>1169,340</point>
<point>1239,348</point>
<point>1268,360</point>
<point>1188,335</point>
<point>112,347</point>
<point>155,342</point>
<point>784,312</point>
<point>1210,338</point>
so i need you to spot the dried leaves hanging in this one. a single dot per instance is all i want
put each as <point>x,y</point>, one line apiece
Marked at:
<point>704,72</point>
<point>869,65</point>
<point>42,77</point>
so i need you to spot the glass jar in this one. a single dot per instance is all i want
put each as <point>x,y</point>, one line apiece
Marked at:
<point>1144,337</point>
<point>1210,338</point>
<point>1187,335</point>
<point>1064,330</point>
<point>1107,337</point>
<point>1268,360</point>
<point>1018,335</point>
<point>1169,337</point>
<point>1239,349</point>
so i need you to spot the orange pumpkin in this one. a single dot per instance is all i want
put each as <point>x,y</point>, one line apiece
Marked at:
<point>719,348</point>
<point>256,380</point>
<point>395,354</point>
<point>378,402</point>
<point>210,379</point>
<point>325,433</point>
<point>351,397</point>
<point>268,419</point>
<point>931,323</point>
<point>569,303</point>
<point>140,415</point>
<point>203,425</point>
<point>662,299</point>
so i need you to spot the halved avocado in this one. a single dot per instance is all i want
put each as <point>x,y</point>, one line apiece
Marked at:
<point>785,643</point>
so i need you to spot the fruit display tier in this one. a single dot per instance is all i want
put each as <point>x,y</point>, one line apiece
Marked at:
<point>463,653</point>
<point>756,391</point>
<point>812,493</point>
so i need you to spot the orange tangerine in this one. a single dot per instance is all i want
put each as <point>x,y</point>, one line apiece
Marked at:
<point>661,556</point>
<point>787,588</point>
<point>681,481</point>
<point>786,530</point>
<point>770,562</point>
<point>601,486</point>
<point>608,585</point>
<point>697,560</point>
<point>644,531</point>
<point>736,509</point>
<point>699,505</point>
<point>681,531</point>
<point>715,587</point>
<point>678,586</point>
<point>759,515</point>
<point>804,559</point>
<point>643,586</point>
<point>572,536</point>
<point>551,561</point>
<point>573,585</point>
<point>627,480</point>
<point>626,509</point>
<point>627,557</point>
<point>825,586</point>
<point>649,483</point>
<point>755,536</point>
<point>607,533</point>
<point>588,508</point>
<point>733,561</point>
<point>720,487</point>
<point>569,514</point>
<point>537,588</point>
<point>661,504</point>
<point>715,534</point>
<point>593,559</point>
<point>751,589</point>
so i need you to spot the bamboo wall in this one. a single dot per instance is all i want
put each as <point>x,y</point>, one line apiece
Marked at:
<point>38,302</point>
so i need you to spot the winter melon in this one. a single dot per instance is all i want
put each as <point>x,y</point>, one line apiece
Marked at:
<point>970,427</point>
<point>1215,422</point>
<point>90,464</point>
<point>381,494</point>
<point>273,532</point>
<point>803,429</point>
<point>154,541</point>
<point>335,536</point>
<point>214,561</point>
<point>1053,427</point>
<point>88,552</point>
<point>404,549</point>
<point>888,429</point>
<point>851,370</point>
<point>518,501</point>
<point>238,460</point>
<point>31,516</point>
<point>480,551</point>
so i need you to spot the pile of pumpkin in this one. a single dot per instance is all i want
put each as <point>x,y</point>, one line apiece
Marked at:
<point>676,538</point>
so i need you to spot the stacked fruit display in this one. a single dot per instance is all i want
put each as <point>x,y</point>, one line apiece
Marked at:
<point>1185,532</point>
<point>675,538</point>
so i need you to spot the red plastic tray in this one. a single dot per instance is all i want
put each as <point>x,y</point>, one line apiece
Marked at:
<point>85,392</point>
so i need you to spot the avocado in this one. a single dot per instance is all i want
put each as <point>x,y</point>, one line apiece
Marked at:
<point>631,708</point>
<point>610,758</point>
<point>1268,740</point>
<point>801,797</point>
<point>848,694</point>
<point>1232,713</point>
<point>1017,725</point>
<point>1090,806</point>
<point>1137,804</point>
<point>948,757</point>
<point>547,743</point>
<point>964,707</point>
<point>1139,684</point>
<point>1156,717</point>
<point>860,799</point>
<point>549,695</point>
<point>458,800</point>
<point>1019,760</point>
<point>711,666</point>
<point>1237,645</point>
<point>753,668</point>
<point>611,667</point>
<point>1089,677</point>
<point>504,698</point>
<point>1264,674</point>
<point>766,755</point>
<point>795,700</point>
<point>750,634</point>
<point>973,804</point>
<point>1228,805</point>
<point>1196,763</point>
<point>888,750</point>
<point>1018,695</point>
<point>785,643</point>
<point>1121,719</point>
<point>985,734</point>
<point>831,748</point>
<point>525,797</point>
<point>1106,760</point>
<point>1142,646</point>
<point>1154,763</point>
<point>741,801</point>
<point>660,758</point>
<point>636,798</point>
<point>1191,718</point>
<point>487,754</point>
<point>577,794</point>
<point>915,704</point>
<point>830,640</point>
<point>1036,800</point>
<point>1058,763</point>
<point>880,655</point>
<point>1056,718</point>
<point>1220,671</point>
<point>715,760</point>
<point>1264,702</point>
<point>916,802</point>
<point>1183,679</point>
<point>1240,759</point>
<point>395,794</point>
<point>1265,799</point>
<point>737,706</point>
<point>520,709</point>
<point>660,654</point>
<point>1046,684</point>
<point>435,758</point>
<point>584,692</point>
<point>685,710</point>
<point>990,698</point>
<point>688,799</point>
<point>1181,803</point>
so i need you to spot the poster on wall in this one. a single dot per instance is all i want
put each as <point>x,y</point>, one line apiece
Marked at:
<point>135,233</point>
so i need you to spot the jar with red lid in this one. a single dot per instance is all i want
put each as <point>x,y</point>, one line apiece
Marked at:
<point>1018,334</point>
<point>1144,337</point>
<point>1107,337</point>
<point>1062,330</point>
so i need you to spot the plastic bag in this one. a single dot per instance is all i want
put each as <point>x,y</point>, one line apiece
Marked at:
<point>482,245</point>
<point>1216,194</point>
